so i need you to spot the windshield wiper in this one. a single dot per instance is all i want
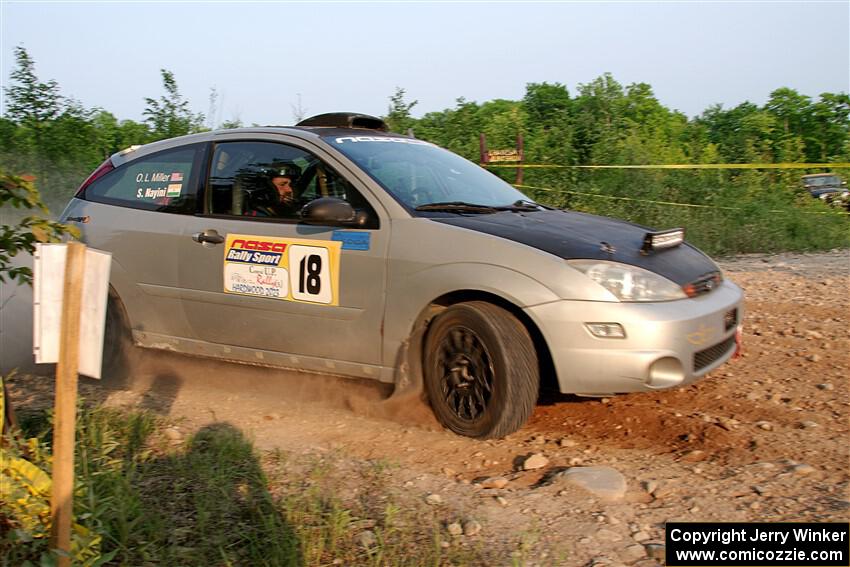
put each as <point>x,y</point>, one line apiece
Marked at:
<point>523,205</point>
<point>458,207</point>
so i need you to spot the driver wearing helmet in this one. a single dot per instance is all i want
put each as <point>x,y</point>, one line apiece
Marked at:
<point>279,199</point>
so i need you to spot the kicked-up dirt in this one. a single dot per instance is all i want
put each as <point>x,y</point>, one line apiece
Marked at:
<point>763,438</point>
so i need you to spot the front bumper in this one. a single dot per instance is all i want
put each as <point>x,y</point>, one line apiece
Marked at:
<point>667,343</point>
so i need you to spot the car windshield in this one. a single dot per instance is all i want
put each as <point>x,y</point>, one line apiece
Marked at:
<point>825,181</point>
<point>424,176</point>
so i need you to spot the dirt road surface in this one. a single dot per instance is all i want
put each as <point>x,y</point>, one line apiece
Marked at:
<point>764,438</point>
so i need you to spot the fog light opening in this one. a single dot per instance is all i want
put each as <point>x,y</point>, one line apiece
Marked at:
<point>665,373</point>
<point>606,330</point>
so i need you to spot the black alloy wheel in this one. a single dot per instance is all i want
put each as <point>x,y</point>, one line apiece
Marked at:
<point>481,370</point>
<point>468,375</point>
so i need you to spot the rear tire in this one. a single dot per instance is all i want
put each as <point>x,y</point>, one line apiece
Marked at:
<point>480,370</point>
<point>117,346</point>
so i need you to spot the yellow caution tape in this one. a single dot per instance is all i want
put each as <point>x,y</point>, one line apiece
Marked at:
<point>679,166</point>
<point>668,203</point>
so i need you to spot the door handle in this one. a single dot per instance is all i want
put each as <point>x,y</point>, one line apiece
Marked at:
<point>209,236</point>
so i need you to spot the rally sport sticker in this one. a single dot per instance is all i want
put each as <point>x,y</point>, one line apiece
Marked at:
<point>291,269</point>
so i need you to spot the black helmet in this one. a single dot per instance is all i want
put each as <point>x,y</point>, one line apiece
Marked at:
<point>280,169</point>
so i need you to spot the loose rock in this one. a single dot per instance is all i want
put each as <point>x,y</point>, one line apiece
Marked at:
<point>633,553</point>
<point>173,434</point>
<point>803,469</point>
<point>471,528</point>
<point>434,499</point>
<point>535,461</point>
<point>694,456</point>
<point>655,550</point>
<point>605,483</point>
<point>494,482</point>
<point>454,529</point>
<point>367,538</point>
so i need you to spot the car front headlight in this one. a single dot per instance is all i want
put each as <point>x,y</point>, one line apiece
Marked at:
<point>629,283</point>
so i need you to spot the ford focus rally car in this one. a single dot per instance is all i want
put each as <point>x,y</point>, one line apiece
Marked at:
<point>390,258</point>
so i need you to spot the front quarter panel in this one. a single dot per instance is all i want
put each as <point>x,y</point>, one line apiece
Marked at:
<point>428,260</point>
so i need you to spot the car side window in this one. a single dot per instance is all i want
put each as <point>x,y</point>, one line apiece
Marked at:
<point>271,180</point>
<point>165,181</point>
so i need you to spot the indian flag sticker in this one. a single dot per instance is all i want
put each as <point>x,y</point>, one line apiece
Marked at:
<point>174,190</point>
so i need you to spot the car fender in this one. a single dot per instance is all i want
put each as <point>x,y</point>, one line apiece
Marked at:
<point>408,300</point>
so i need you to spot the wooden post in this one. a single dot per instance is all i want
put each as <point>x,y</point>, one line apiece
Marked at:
<point>65,416</point>
<point>519,150</point>
<point>482,149</point>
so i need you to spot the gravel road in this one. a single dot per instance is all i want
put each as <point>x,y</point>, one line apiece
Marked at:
<point>764,438</point>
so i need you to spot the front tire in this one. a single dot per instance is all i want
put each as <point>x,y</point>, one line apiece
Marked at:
<point>481,370</point>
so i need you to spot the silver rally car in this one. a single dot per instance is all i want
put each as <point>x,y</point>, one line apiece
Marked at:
<point>336,247</point>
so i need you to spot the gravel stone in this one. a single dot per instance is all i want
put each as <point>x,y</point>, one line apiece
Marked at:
<point>367,539</point>
<point>803,469</point>
<point>471,528</point>
<point>605,483</point>
<point>655,550</point>
<point>494,482</point>
<point>633,553</point>
<point>535,461</point>
<point>454,529</point>
<point>434,499</point>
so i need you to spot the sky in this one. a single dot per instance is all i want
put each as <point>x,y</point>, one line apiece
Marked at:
<point>263,57</point>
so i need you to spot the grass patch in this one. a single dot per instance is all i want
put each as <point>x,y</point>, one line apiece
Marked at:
<point>214,500</point>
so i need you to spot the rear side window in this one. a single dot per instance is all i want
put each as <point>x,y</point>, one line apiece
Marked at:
<point>165,181</point>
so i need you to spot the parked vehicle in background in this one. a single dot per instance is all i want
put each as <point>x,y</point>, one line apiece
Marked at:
<point>398,261</point>
<point>827,187</point>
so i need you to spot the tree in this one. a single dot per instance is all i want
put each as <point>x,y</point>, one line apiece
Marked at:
<point>19,192</point>
<point>547,104</point>
<point>170,116</point>
<point>31,103</point>
<point>399,118</point>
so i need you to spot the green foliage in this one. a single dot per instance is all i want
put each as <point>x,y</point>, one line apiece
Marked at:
<point>214,500</point>
<point>25,519</point>
<point>170,116</point>
<point>399,118</point>
<point>611,124</point>
<point>604,122</point>
<point>20,193</point>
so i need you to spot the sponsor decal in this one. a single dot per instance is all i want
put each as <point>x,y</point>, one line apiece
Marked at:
<point>382,139</point>
<point>159,186</point>
<point>352,240</point>
<point>289,269</point>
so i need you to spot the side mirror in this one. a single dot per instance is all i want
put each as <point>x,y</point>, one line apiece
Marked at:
<point>333,211</point>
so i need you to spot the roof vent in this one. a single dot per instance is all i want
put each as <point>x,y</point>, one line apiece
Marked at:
<point>345,120</point>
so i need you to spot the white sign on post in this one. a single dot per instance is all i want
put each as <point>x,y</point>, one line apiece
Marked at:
<point>48,285</point>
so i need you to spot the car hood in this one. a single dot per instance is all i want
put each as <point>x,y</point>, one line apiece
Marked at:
<point>572,235</point>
